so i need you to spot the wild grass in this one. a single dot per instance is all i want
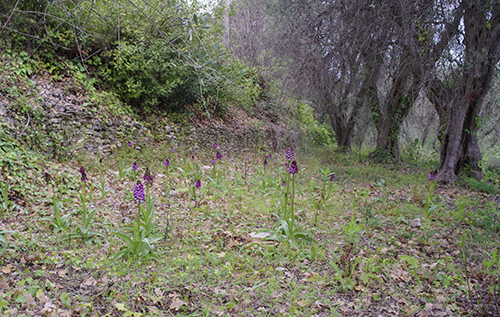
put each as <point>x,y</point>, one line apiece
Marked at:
<point>377,245</point>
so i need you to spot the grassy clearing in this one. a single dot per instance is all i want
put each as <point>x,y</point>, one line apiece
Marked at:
<point>386,241</point>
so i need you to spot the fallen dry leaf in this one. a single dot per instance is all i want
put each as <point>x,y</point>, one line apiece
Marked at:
<point>48,308</point>
<point>154,309</point>
<point>29,299</point>
<point>91,281</point>
<point>158,292</point>
<point>441,298</point>
<point>301,303</point>
<point>177,303</point>
<point>41,297</point>
<point>424,313</point>
<point>7,269</point>
<point>64,313</point>
<point>3,283</point>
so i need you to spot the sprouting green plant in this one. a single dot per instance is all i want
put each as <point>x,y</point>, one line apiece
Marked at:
<point>137,246</point>
<point>167,178</point>
<point>488,263</point>
<point>350,231</point>
<point>122,171</point>
<point>196,184</point>
<point>494,258</point>
<point>325,192</point>
<point>217,182</point>
<point>187,167</point>
<point>343,277</point>
<point>140,244</point>
<point>370,270</point>
<point>4,187</point>
<point>3,240</point>
<point>464,262</point>
<point>431,201</point>
<point>84,231</point>
<point>102,179</point>
<point>216,178</point>
<point>288,229</point>
<point>410,261</point>
<point>59,222</point>
<point>264,174</point>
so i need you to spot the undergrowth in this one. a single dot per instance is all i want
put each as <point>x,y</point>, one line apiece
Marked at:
<point>198,244</point>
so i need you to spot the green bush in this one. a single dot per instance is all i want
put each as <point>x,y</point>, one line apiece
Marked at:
<point>147,75</point>
<point>318,132</point>
<point>482,186</point>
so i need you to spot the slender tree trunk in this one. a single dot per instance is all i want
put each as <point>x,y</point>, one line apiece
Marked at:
<point>389,117</point>
<point>387,139</point>
<point>388,124</point>
<point>225,39</point>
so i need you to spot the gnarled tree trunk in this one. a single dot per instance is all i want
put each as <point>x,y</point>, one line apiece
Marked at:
<point>459,107</point>
<point>343,126</point>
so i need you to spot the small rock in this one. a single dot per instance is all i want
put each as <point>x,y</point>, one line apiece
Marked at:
<point>416,223</point>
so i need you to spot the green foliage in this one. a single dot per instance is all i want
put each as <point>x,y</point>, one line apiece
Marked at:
<point>122,171</point>
<point>482,186</point>
<point>289,228</point>
<point>147,75</point>
<point>432,204</point>
<point>83,232</point>
<point>4,195</point>
<point>248,90</point>
<point>488,218</point>
<point>3,240</point>
<point>102,185</point>
<point>57,221</point>
<point>350,231</point>
<point>318,132</point>
<point>162,57</point>
<point>492,175</point>
<point>417,153</point>
<point>18,166</point>
<point>494,258</point>
<point>143,234</point>
<point>136,246</point>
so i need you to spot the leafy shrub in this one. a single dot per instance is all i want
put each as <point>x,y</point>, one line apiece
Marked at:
<point>482,186</point>
<point>488,218</point>
<point>313,128</point>
<point>248,92</point>
<point>492,174</point>
<point>146,75</point>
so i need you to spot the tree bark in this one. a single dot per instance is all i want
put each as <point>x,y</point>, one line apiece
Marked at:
<point>343,126</point>
<point>389,118</point>
<point>459,107</point>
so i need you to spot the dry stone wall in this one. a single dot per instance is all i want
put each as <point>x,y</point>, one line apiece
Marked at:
<point>72,125</point>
